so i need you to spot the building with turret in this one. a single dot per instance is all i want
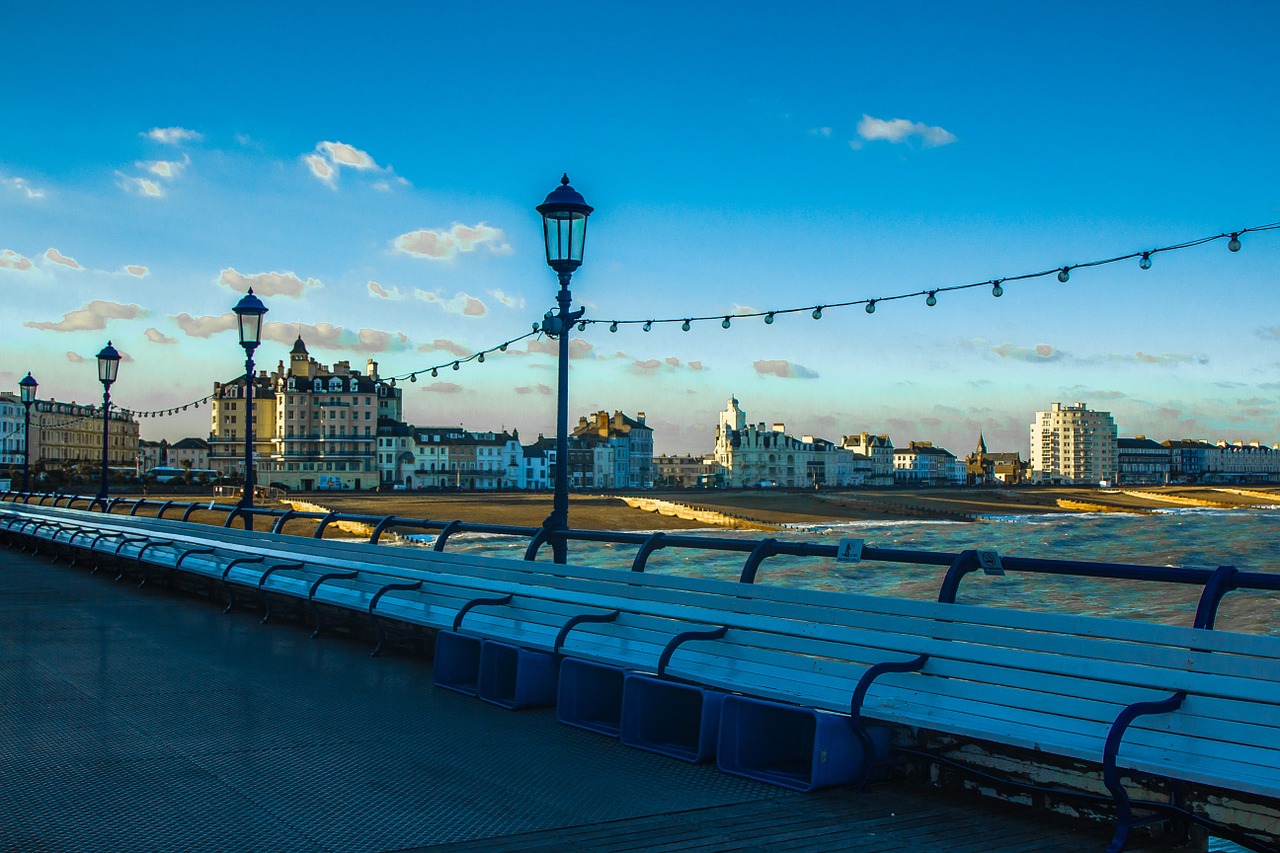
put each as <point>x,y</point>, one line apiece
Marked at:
<point>749,455</point>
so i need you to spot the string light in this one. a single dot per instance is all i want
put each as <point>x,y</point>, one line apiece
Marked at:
<point>726,323</point>
<point>435,372</point>
<point>456,365</point>
<point>1062,272</point>
<point>932,299</point>
<point>684,326</point>
<point>582,327</point>
<point>480,358</point>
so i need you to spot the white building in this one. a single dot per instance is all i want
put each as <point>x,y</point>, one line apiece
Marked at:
<point>1073,445</point>
<point>872,459</point>
<point>630,466</point>
<point>750,455</point>
<point>12,439</point>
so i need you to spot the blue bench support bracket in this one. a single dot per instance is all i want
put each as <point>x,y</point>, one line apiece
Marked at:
<point>680,639</point>
<point>764,549</point>
<point>311,595</point>
<point>855,710</point>
<point>575,621</point>
<point>476,602</point>
<point>1221,582</point>
<point>226,586</point>
<point>653,543</point>
<point>1111,773</point>
<point>373,603</point>
<point>444,534</point>
<point>163,507</point>
<point>278,527</point>
<point>965,563</point>
<point>141,565</point>
<point>137,540</point>
<point>262,594</point>
<point>381,526</point>
<point>324,522</point>
<point>191,507</point>
<point>535,544</point>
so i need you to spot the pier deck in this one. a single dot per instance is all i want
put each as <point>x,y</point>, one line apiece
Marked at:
<point>139,719</point>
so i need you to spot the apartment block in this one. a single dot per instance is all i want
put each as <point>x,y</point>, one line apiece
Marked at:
<point>1073,445</point>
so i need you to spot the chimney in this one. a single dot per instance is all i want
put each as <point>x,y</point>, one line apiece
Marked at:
<point>779,427</point>
<point>371,369</point>
<point>640,417</point>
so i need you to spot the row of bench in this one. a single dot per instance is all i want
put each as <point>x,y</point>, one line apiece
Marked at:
<point>783,685</point>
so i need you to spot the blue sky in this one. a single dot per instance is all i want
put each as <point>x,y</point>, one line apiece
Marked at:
<point>372,171</point>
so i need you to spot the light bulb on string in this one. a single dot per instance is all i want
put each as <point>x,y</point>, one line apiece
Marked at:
<point>455,365</point>
<point>996,289</point>
<point>1234,243</point>
<point>768,318</point>
<point>435,371</point>
<point>613,327</point>
<point>724,324</point>
<point>480,358</point>
<point>685,326</point>
<point>648,325</point>
<point>817,313</point>
<point>932,299</point>
<point>582,325</point>
<point>502,348</point>
<point>413,377</point>
<point>1064,274</point>
<point>871,307</point>
<point>1145,261</point>
<point>537,327</point>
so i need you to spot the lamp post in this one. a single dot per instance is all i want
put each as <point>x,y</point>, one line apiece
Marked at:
<point>108,369</point>
<point>564,228</point>
<point>27,390</point>
<point>249,311</point>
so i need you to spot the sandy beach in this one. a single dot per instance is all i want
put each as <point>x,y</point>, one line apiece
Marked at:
<point>772,508</point>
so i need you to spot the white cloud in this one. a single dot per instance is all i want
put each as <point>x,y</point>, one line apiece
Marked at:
<point>901,130</point>
<point>11,260</point>
<point>320,167</point>
<point>54,256</point>
<point>384,292</point>
<point>783,369</point>
<point>172,135</point>
<point>330,158</point>
<point>75,358</point>
<point>347,155</point>
<point>167,169</point>
<point>137,270</point>
<point>94,315</point>
<point>516,302</point>
<point>462,304</point>
<point>446,245</point>
<point>158,337</point>
<point>821,131</point>
<point>21,185</point>
<point>142,186</point>
<point>266,283</point>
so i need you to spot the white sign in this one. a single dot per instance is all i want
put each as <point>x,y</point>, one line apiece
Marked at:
<point>849,551</point>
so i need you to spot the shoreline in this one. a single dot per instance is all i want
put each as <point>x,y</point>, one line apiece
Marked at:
<point>770,509</point>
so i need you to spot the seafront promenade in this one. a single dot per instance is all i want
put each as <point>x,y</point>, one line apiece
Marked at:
<point>144,719</point>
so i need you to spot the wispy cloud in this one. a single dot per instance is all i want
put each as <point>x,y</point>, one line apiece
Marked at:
<point>158,337</point>
<point>266,283</point>
<point>20,185</point>
<point>94,315</point>
<point>1038,354</point>
<point>578,348</point>
<point>167,169</point>
<point>446,245</point>
<point>1270,333</point>
<point>445,345</point>
<point>172,135</point>
<point>462,304</point>
<point>137,270</point>
<point>515,302</point>
<point>783,369</point>
<point>544,390</point>
<point>141,186</point>
<point>207,326</point>
<point>75,358</point>
<point>899,130</point>
<point>443,388</point>
<point>54,256</point>
<point>330,158</point>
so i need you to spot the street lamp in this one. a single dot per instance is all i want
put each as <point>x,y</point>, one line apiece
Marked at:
<point>108,369</point>
<point>27,390</point>
<point>249,311</point>
<point>564,228</point>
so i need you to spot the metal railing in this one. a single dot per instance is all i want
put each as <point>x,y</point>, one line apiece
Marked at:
<point>1214,583</point>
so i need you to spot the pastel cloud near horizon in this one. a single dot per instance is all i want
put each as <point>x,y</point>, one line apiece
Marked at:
<point>93,315</point>
<point>899,130</point>
<point>783,369</point>
<point>447,245</point>
<point>322,335</point>
<point>23,186</point>
<point>462,304</point>
<point>137,270</point>
<point>54,256</point>
<point>158,337</point>
<point>11,260</point>
<point>266,284</point>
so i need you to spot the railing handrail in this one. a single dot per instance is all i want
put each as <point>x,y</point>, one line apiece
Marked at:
<point>1215,583</point>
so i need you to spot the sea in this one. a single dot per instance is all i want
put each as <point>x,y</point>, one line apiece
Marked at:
<point>1248,539</point>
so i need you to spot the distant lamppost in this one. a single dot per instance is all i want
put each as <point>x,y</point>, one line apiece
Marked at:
<point>249,311</point>
<point>108,369</point>
<point>27,390</point>
<point>564,227</point>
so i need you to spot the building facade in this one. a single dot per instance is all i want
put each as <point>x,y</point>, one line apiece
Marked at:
<point>983,468</point>
<point>631,461</point>
<point>748,455</point>
<point>922,464</point>
<point>1142,462</point>
<point>69,435</point>
<point>12,439</point>
<point>872,459</point>
<point>1073,445</point>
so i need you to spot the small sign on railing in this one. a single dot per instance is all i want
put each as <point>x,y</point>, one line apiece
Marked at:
<point>849,551</point>
<point>989,562</point>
